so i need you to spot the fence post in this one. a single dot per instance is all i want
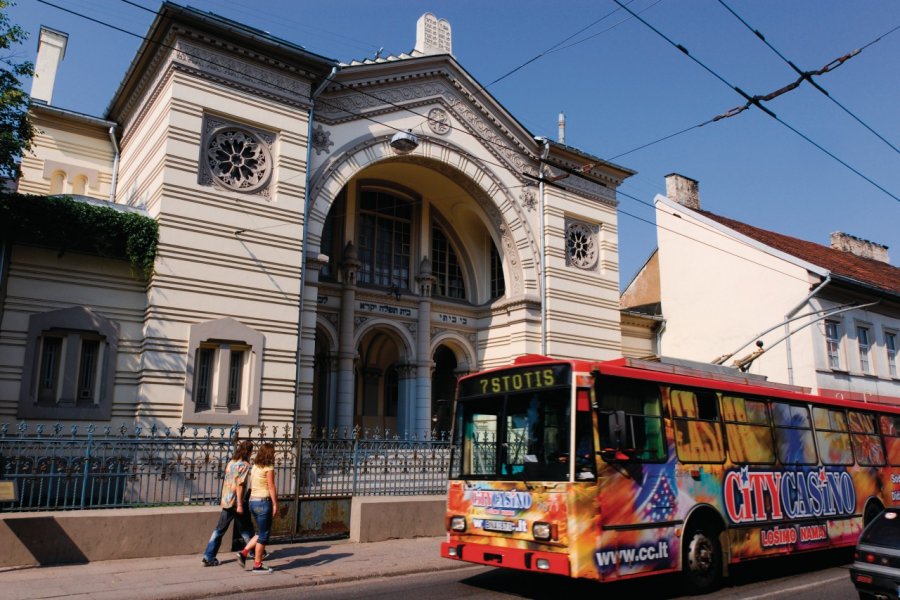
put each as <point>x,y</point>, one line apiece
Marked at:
<point>87,468</point>
<point>297,482</point>
<point>355,463</point>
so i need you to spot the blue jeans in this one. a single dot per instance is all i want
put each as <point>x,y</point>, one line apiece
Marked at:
<point>242,522</point>
<point>262,512</point>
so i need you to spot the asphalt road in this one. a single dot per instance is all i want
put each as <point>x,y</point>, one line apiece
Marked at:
<point>819,577</point>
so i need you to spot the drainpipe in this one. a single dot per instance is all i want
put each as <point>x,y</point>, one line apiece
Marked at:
<point>787,325</point>
<point>306,204</point>
<point>543,262</point>
<point>115,169</point>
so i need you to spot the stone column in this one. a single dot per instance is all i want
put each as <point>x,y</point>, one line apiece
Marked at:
<point>406,401</point>
<point>332,392</point>
<point>346,351</point>
<point>426,280</point>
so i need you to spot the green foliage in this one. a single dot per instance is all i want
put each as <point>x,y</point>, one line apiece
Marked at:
<point>16,131</point>
<point>64,224</point>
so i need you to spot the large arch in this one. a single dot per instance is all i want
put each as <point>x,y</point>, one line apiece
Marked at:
<point>454,163</point>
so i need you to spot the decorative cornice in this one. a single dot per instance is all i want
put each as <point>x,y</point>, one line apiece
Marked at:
<point>243,74</point>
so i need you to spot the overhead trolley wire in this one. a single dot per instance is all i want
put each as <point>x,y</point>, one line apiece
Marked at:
<point>757,101</point>
<point>808,75</point>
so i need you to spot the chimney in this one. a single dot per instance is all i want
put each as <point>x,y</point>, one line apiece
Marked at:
<point>683,190</point>
<point>562,128</point>
<point>51,51</point>
<point>859,247</point>
<point>433,36</point>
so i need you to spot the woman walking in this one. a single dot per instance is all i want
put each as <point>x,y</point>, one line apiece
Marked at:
<point>234,486</point>
<point>263,505</point>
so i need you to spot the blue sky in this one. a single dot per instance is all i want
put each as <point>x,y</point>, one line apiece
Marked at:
<point>620,85</point>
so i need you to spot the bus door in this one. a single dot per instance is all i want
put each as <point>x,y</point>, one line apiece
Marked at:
<point>636,480</point>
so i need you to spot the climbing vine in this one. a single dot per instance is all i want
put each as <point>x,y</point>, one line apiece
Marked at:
<point>68,225</point>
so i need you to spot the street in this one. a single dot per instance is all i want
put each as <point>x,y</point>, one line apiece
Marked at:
<point>816,577</point>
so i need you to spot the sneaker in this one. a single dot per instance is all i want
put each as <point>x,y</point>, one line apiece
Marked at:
<point>211,563</point>
<point>261,569</point>
<point>242,560</point>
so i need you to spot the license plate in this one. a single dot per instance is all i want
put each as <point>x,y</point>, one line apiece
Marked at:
<point>504,526</point>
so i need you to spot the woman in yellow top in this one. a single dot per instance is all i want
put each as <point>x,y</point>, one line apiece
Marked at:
<point>263,505</point>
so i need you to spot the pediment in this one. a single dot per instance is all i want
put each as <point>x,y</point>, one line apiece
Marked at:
<point>412,86</point>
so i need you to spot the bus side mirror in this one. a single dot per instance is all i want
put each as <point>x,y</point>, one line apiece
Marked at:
<point>617,428</point>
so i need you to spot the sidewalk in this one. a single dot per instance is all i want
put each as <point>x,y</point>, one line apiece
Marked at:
<point>185,578</point>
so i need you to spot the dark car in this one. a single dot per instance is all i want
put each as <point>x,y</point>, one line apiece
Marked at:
<point>876,560</point>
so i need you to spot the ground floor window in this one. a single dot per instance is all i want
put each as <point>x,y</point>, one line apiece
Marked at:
<point>69,365</point>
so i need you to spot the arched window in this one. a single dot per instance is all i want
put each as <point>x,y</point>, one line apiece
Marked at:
<point>498,284</point>
<point>384,239</point>
<point>57,181</point>
<point>445,265</point>
<point>79,185</point>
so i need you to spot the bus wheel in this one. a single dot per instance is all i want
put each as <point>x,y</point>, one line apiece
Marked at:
<point>702,559</point>
<point>873,509</point>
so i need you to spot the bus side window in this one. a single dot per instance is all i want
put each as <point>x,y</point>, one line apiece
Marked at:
<point>793,434</point>
<point>890,431</point>
<point>832,436</point>
<point>863,436</point>
<point>629,418</point>
<point>698,430</point>
<point>747,430</point>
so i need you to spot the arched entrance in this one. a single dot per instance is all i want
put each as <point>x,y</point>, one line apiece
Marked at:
<point>378,381</point>
<point>443,389</point>
<point>324,385</point>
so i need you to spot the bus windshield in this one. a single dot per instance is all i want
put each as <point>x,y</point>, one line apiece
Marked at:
<point>522,436</point>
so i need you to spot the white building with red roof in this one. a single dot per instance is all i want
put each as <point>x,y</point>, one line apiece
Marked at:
<point>822,317</point>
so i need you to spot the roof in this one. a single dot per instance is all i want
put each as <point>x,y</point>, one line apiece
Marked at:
<point>868,272</point>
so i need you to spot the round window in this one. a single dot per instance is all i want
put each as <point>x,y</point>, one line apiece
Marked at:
<point>238,159</point>
<point>581,246</point>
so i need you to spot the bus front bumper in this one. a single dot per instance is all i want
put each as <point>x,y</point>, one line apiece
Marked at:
<point>511,558</point>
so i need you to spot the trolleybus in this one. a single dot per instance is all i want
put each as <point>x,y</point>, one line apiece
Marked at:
<point>626,468</point>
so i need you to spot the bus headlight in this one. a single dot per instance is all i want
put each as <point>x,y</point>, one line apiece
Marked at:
<point>457,523</point>
<point>541,531</point>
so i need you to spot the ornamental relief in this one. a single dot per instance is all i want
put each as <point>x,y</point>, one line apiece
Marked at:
<point>355,101</point>
<point>439,121</point>
<point>591,189</point>
<point>228,68</point>
<point>321,140</point>
<point>528,198</point>
<point>493,142</point>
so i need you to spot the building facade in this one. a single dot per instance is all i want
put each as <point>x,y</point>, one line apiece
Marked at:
<point>338,241</point>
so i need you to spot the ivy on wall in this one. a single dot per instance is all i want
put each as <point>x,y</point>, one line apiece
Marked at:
<point>67,225</point>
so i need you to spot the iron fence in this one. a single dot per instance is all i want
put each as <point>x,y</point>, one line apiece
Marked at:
<point>60,468</point>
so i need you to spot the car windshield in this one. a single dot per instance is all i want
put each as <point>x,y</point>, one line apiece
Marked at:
<point>884,530</point>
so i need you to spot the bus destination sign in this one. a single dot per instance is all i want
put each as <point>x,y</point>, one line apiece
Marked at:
<point>519,379</point>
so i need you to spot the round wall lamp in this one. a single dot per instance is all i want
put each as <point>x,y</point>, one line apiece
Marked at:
<point>404,142</point>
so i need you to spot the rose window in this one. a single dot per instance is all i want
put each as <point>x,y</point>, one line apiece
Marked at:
<point>581,247</point>
<point>238,160</point>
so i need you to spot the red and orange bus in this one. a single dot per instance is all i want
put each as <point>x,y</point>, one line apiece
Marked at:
<point>626,468</point>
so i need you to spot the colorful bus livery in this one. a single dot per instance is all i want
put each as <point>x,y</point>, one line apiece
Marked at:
<point>628,468</point>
